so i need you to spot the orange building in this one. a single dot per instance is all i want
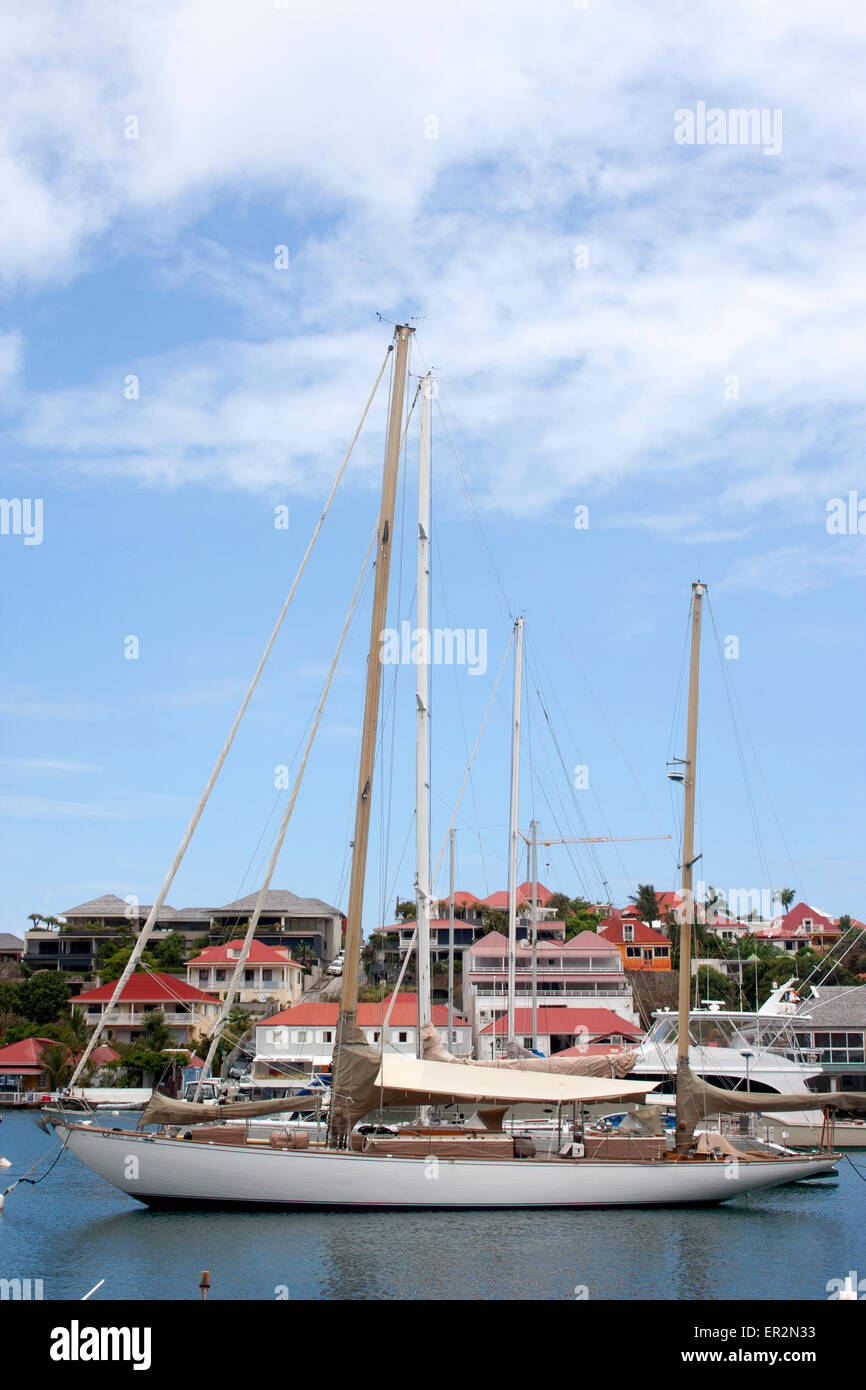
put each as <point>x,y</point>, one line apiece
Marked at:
<point>641,947</point>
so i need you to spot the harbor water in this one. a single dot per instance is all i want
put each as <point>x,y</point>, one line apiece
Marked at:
<point>71,1230</point>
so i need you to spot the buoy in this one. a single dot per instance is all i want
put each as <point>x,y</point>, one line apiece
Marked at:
<point>4,1162</point>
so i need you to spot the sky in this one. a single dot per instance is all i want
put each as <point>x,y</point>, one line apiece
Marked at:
<point>650,365</point>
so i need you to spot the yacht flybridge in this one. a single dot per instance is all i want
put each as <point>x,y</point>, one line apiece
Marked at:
<point>194,1158</point>
<point>749,1051</point>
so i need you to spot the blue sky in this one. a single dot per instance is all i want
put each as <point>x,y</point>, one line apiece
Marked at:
<point>669,335</point>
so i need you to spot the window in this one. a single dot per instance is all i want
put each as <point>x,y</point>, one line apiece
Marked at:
<point>267,974</point>
<point>628,933</point>
<point>376,1037</point>
<point>328,1037</point>
<point>249,976</point>
<point>301,1036</point>
<point>403,1037</point>
<point>633,952</point>
<point>660,951</point>
<point>220,974</point>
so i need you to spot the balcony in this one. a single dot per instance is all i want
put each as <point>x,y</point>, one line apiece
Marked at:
<point>588,967</point>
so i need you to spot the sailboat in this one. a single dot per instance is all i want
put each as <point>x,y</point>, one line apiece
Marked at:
<point>196,1159</point>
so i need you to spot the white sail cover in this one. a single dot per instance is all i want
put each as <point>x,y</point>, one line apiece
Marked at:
<point>616,1062</point>
<point>406,1079</point>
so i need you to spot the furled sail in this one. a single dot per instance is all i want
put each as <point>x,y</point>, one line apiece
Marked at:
<point>162,1110</point>
<point>696,1099</point>
<point>608,1064</point>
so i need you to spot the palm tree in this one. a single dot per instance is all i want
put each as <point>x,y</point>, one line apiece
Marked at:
<point>57,1064</point>
<point>785,896</point>
<point>646,902</point>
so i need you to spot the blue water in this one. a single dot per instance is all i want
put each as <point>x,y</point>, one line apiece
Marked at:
<point>73,1230</point>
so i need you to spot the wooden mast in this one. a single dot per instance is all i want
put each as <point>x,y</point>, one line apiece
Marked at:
<point>347,1021</point>
<point>512,831</point>
<point>422,715</point>
<point>534,913</point>
<point>451,940</point>
<point>687,912</point>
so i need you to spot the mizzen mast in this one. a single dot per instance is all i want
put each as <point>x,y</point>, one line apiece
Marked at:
<point>422,717</point>
<point>347,1030</point>
<point>687,909</point>
<point>512,830</point>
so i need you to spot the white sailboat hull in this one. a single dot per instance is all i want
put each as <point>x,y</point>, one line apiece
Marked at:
<point>171,1172</point>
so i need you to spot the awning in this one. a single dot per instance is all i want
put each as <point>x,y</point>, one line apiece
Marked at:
<point>405,1079</point>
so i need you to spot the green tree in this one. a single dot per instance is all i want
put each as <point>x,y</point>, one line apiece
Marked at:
<point>493,919</point>
<point>116,962</point>
<point>171,952</point>
<point>785,896</point>
<point>406,910</point>
<point>44,996</point>
<point>712,984</point>
<point>561,905</point>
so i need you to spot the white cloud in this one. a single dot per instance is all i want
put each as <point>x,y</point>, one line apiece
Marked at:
<point>555,130</point>
<point>789,571</point>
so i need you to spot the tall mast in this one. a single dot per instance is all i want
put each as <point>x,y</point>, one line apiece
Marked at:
<point>512,831</point>
<point>422,717</point>
<point>534,911</point>
<point>687,903</point>
<point>346,1024</point>
<point>451,942</point>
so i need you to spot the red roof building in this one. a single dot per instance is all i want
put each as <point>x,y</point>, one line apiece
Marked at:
<point>304,1035</point>
<point>641,947</point>
<point>187,1011</point>
<point>270,975</point>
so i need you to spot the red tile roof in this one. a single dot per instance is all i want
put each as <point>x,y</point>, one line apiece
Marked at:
<point>641,934</point>
<point>143,988</point>
<point>597,1022</point>
<point>321,1014</point>
<point>22,1058</point>
<point>820,921</point>
<point>260,954</point>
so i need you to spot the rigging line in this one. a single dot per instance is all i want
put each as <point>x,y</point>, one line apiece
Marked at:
<point>471,827</point>
<point>472,758</point>
<point>505,606</point>
<point>153,915</point>
<point>237,976</point>
<point>766,788</point>
<point>569,649</point>
<point>289,768</point>
<point>823,960</point>
<point>33,1182</point>
<point>400,864</point>
<point>443,598</point>
<point>750,800</point>
<point>565,824</point>
<point>535,656</point>
<point>679,686</point>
